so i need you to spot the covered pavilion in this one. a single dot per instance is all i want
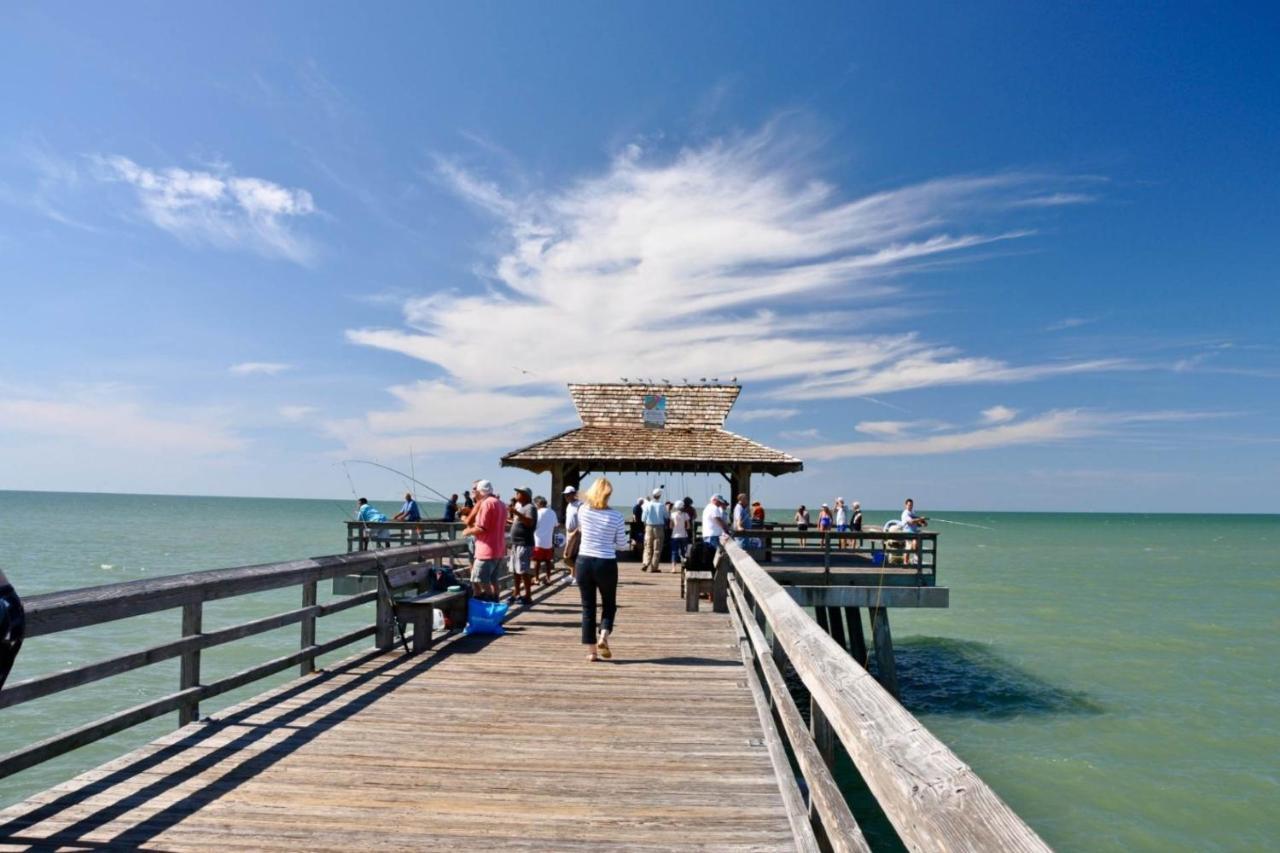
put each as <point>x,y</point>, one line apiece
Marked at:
<point>651,428</point>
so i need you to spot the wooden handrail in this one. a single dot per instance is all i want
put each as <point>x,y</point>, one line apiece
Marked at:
<point>78,608</point>
<point>933,799</point>
<point>61,611</point>
<point>828,804</point>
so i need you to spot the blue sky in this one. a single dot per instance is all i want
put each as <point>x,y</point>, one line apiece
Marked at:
<point>992,255</point>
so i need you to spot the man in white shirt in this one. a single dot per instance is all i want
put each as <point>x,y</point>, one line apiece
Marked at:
<point>713,526</point>
<point>544,539</point>
<point>653,512</point>
<point>911,523</point>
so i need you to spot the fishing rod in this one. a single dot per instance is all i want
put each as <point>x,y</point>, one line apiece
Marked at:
<point>960,523</point>
<point>398,473</point>
<point>383,589</point>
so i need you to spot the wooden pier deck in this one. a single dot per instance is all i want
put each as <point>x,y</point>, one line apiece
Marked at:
<point>510,743</point>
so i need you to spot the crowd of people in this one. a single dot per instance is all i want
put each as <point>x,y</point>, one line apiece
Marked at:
<point>522,532</point>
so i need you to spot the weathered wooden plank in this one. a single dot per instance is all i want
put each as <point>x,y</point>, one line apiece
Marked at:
<point>338,760</point>
<point>934,800</point>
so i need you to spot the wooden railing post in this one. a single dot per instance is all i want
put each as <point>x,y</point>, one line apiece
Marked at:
<point>823,735</point>
<point>308,640</point>
<point>384,630</point>
<point>189,670</point>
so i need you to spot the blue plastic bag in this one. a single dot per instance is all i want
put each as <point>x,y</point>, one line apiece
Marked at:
<point>877,558</point>
<point>485,617</point>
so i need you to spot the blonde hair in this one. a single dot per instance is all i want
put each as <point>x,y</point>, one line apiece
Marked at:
<point>597,497</point>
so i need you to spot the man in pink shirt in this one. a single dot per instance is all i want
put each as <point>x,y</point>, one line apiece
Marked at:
<point>488,524</point>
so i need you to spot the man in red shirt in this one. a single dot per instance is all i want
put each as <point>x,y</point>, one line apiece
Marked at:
<point>488,524</point>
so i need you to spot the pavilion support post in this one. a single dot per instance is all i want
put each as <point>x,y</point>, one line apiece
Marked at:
<point>557,489</point>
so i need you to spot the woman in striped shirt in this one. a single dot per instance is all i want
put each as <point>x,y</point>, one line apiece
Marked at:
<point>604,534</point>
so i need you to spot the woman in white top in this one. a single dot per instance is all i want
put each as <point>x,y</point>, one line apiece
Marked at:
<point>604,534</point>
<point>679,535</point>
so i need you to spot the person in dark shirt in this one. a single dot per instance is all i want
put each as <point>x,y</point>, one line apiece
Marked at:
<point>451,509</point>
<point>524,519</point>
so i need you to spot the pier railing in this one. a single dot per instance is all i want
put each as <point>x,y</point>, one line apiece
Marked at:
<point>878,548</point>
<point>63,611</point>
<point>362,535</point>
<point>933,799</point>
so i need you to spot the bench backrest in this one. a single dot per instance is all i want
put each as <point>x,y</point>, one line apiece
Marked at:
<point>409,575</point>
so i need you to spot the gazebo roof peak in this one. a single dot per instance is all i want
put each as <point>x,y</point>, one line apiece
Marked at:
<point>616,404</point>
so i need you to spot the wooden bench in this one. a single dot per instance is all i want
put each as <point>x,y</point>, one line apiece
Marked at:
<point>715,584</point>
<point>418,609</point>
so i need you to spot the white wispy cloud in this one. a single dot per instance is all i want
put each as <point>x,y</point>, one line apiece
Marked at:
<point>296,413</point>
<point>433,417</point>
<point>998,414</point>
<point>266,368</point>
<point>1070,323</point>
<point>1055,200</point>
<point>724,260</point>
<point>1053,426</point>
<point>217,208</point>
<point>800,434</point>
<point>106,417</point>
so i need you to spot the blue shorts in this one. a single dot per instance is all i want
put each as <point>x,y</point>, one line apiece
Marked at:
<point>843,528</point>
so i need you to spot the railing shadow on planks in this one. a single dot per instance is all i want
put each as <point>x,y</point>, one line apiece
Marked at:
<point>63,611</point>
<point>933,799</point>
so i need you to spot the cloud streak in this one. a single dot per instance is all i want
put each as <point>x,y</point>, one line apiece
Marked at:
<point>1050,427</point>
<point>104,417</point>
<point>216,208</point>
<point>264,368</point>
<point>724,260</point>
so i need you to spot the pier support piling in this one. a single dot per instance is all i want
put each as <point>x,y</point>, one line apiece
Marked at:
<point>857,639</point>
<point>836,620</point>
<point>886,669</point>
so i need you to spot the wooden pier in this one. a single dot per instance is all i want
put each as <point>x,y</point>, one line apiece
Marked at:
<point>682,741</point>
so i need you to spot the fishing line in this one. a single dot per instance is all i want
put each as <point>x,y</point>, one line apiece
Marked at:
<point>416,481</point>
<point>960,523</point>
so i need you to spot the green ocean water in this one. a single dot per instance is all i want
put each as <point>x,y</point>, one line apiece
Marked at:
<point>1113,677</point>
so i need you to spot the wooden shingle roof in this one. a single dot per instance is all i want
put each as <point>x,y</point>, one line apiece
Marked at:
<point>613,436</point>
<point>704,406</point>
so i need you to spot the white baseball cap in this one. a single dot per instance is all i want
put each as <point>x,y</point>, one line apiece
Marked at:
<point>570,490</point>
<point>656,493</point>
